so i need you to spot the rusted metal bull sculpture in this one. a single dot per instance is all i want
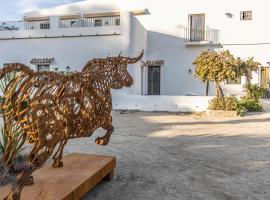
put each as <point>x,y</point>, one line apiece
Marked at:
<point>51,108</point>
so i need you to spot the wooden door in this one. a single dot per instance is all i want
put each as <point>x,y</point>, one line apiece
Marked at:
<point>264,83</point>
<point>265,77</point>
<point>196,24</point>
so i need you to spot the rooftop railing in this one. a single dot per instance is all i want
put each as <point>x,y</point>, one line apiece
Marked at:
<point>90,22</point>
<point>24,25</point>
<point>10,26</point>
<point>63,23</point>
<point>200,34</point>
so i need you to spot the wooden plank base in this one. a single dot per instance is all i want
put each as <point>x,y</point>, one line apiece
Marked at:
<point>81,172</point>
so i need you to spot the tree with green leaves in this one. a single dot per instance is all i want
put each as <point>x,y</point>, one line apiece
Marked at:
<point>247,67</point>
<point>216,66</point>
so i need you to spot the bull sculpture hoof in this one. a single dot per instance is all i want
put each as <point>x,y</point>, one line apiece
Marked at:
<point>57,164</point>
<point>13,196</point>
<point>101,141</point>
<point>30,181</point>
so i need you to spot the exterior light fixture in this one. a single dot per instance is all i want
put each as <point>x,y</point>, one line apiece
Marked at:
<point>229,15</point>
<point>67,68</point>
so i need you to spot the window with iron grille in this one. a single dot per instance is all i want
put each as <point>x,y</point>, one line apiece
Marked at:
<point>153,80</point>
<point>44,25</point>
<point>117,22</point>
<point>98,22</point>
<point>246,15</point>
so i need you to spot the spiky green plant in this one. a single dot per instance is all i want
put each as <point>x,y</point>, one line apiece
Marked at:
<point>10,147</point>
<point>3,142</point>
<point>11,143</point>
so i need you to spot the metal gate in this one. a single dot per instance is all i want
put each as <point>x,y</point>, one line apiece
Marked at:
<point>153,80</point>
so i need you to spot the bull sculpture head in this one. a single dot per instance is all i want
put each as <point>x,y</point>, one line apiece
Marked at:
<point>121,77</point>
<point>114,68</point>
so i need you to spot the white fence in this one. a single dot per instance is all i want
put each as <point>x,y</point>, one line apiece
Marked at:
<point>161,103</point>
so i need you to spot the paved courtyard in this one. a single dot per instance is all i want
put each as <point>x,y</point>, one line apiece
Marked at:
<point>168,156</point>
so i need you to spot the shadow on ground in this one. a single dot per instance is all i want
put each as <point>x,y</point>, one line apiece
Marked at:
<point>167,156</point>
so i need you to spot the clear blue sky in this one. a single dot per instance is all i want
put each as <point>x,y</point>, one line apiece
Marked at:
<point>14,9</point>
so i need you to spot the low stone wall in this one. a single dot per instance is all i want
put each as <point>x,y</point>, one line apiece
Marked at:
<point>221,113</point>
<point>161,103</point>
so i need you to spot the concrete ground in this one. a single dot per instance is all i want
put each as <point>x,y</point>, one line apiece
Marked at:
<point>164,156</point>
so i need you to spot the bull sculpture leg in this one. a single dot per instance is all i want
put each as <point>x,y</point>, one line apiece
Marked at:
<point>57,157</point>
<point>36,159</point>
<point>104,140</point>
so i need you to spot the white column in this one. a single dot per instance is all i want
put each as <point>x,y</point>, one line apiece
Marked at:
<point>54,22</point>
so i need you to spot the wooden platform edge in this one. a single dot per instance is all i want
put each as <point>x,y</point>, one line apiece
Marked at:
<point>105,174</point>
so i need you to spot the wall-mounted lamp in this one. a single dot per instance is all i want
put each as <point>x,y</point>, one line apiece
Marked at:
<point>229,15</point>
<point>67,68</point>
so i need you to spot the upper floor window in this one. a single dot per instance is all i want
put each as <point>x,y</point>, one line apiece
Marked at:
<point>117,22</point>
<point>246,15</point>
<point>98,22</point>
<point>45,25</point>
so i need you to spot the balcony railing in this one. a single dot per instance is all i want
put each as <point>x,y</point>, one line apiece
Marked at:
<point>10,26</point>
<point>90,22</point>
<point>63,23</point>
<point>24,25</point>
<point>201,34</point>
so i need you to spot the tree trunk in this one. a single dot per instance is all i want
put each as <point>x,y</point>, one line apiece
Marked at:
<point>248,82</point>
<point>219,90</point>
<point>207,88</point>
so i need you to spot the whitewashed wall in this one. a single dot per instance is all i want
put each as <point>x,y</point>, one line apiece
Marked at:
<point>68,50</point>
<point>161,103</point>
<point>160,34</point>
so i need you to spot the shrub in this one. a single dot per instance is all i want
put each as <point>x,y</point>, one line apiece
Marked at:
<point>227,104</point>
<point>223,103</point>
<point>253,92</point>
<point>251,105</point>
<point>230,103</point>
<point>217,103</point>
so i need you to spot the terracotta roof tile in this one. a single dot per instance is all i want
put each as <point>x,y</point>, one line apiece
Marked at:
<point>36,61</point>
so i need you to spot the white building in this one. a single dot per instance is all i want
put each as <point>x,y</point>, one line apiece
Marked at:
<point>172,33</point>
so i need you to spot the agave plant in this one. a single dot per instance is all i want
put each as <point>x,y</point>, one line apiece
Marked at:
<point>11,143</point>
<point>3,142</point>
<point>10,147</point>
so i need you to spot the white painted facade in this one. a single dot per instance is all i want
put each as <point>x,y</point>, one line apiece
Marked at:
<point>156,26</point>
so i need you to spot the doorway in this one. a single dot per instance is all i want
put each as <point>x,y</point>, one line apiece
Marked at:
<point>196,27</point>
<point>153,80</point>
<point>264,82</point>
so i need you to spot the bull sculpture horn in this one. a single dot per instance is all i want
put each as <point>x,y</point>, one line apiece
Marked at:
<point>134,60</point>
